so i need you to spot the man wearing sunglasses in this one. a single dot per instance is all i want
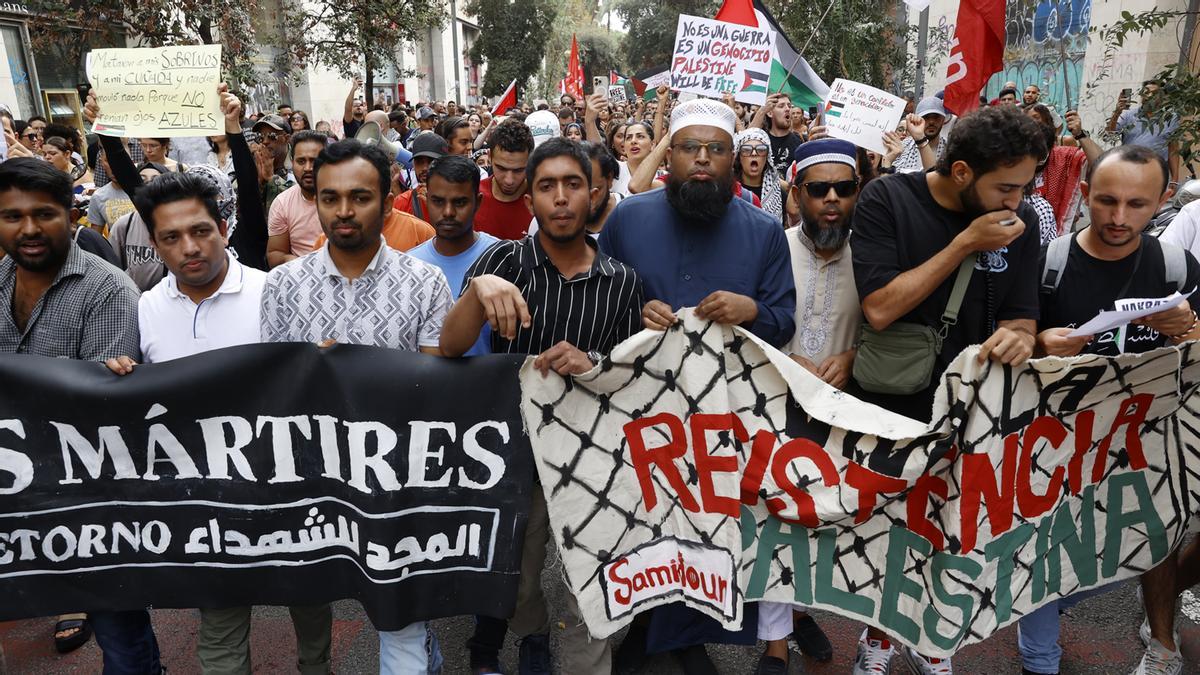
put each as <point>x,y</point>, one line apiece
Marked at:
<point>271,151</point>
<point>695,245</point>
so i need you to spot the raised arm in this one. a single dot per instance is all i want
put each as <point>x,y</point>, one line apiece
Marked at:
<point>664,97</point>
<point>249,240</point>
<point>348,111</point>
<point>643,180</point>
<point>123,170</point>
<point>591,112</point>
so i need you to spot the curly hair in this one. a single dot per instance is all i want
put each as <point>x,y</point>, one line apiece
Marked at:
<point>512,136</point>
<point>992,137</point>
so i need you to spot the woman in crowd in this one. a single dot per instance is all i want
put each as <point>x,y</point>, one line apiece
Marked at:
<point>638,146</point>
<point>156,149</point>
<point>29,136</point>
<point>573,132</point>
<point>57,151</point>
<point>475,122</point>
<point>753,169</point>
<point>299,121</point>
<point>218,154</point>
<point>616,140</point>
<point>1057,179</point>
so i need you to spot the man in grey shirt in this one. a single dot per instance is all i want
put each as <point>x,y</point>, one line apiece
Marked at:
<point>1134,126</point>
<point>57,300</point>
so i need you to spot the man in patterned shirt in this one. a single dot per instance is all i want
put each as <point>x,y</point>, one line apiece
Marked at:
<point>358,290</point>
<point>924,144</point>
<point>58,301</point>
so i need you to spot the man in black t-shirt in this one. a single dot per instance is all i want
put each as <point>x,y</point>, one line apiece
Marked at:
<point>911,234</point>
<point>1113,260</point>
<point>775,116</point>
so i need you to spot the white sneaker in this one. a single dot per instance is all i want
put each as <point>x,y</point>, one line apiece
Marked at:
<point>924,665</point>
<point>1157,660</point>
<point>874,656</point>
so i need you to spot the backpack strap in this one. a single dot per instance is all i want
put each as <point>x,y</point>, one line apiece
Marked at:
<point>1056,261</point>
<point>1175,264</point>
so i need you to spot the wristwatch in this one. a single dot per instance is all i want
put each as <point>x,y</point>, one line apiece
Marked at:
<point>1081,135</point>
<point>595,357</point>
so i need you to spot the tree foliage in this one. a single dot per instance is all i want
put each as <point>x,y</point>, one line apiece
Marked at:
<point>69,27</point>
<point>856,40</point>
<point>1178,99</point>
<point>353,36</point>
<point>651,25</point>
<point>513,36</point>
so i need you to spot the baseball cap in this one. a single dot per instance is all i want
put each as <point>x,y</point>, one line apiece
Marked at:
<point>429,144</point>
<point>274,121</point>
<point>931,105</point>
<point>425,113</point>
<point>543,124</point>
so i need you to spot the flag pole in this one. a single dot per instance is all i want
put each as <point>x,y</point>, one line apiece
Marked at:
<point>800,54</point>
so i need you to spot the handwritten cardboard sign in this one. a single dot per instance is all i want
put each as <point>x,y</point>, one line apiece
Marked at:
<point>860,114</point>
<point>714,57</point>
<point>616,93</point>
<point>158,91</point>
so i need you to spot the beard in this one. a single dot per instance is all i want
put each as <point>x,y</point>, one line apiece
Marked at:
<point>972,203</point>
<point>598,212</point>
<point>54,256</point>
<point>826,237</point>
<point>700,202</point>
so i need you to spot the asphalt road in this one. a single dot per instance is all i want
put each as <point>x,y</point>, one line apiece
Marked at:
<point>1099,637</point>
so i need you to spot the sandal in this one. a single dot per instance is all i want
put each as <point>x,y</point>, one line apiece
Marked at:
<point>67,623</point>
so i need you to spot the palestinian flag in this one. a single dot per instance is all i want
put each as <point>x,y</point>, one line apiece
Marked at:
<point>755,82</point>
<point>834,108</point>
<point>802,85</point>
<point>644,81</point>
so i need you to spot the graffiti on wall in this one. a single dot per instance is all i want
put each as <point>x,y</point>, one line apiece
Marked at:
<point>1045,45</point>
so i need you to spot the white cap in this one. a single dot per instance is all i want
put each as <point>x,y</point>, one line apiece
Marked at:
<point>543,124</point>
<point>703,112</point>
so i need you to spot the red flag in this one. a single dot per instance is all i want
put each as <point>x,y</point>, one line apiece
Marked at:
<point>975,54</point>
<point>507,101</point>
<point>574,81</point>
<point>739,12</point>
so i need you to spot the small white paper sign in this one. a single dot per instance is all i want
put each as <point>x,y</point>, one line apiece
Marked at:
<point>1128,310</point>
<point>860,113</point>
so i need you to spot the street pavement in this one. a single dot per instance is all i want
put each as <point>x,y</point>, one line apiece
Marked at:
<point>1099,637</point>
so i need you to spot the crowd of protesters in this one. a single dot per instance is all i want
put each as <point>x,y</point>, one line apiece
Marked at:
<point>558,229</point>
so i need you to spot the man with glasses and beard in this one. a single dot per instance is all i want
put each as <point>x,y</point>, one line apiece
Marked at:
<point>695,245</point>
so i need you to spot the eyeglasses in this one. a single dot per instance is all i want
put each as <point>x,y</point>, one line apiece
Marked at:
<point>32,134</point>
<point>843,188</point>
<point>715,148</point>
<point>753,150</point>
<point>271,136</point>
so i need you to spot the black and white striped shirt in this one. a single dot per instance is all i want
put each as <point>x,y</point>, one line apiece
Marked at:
<point>594,311</point>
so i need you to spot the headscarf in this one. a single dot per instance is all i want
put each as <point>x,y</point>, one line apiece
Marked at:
<point>227,196</point>
<point>772,195</point>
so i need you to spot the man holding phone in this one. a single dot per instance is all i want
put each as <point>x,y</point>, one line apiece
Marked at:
<point>1136,125</point>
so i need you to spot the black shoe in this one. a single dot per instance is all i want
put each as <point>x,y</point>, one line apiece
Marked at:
<point>770,665</point>
<point>534,655</point>
<point>631,654</point>
<point>694,661</point>
<point>811,640</point>
<point>1026,671</point>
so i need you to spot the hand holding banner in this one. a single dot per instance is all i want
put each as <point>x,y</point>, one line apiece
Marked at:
<point>860,114</point>
<point>157,92</point>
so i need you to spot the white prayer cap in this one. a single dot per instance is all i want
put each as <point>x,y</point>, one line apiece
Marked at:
<point>703,112</point>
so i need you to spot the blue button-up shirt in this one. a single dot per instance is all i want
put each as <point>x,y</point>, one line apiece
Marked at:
<point>681,264</point>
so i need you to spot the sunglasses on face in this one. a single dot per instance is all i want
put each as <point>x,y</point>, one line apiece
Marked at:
<point>753,150</point>
<point>271,136</point>
<point>32,134</point>
<point>843,188</point>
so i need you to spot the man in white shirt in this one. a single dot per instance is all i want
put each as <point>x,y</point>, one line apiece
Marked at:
<point>208,301</point>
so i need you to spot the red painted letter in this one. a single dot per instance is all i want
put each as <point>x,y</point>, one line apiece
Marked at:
<point>663,455</point>
<point>707,464</point>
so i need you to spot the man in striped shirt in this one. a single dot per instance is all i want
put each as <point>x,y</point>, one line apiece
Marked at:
<point>553,294</point>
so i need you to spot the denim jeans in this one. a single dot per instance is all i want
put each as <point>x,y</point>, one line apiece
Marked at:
<point>412,650</point>
<point>1037,637</point>
<point>127,640</point>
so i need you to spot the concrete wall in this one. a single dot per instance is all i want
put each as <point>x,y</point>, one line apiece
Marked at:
<point>1050,44</point>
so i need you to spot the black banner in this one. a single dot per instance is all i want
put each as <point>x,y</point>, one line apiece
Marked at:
<point>275,474</point>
